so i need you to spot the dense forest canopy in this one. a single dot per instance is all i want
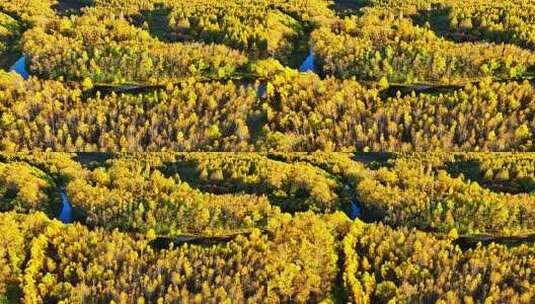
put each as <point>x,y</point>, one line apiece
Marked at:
<point>386,265</point>
<point>267,151</point>
<point>267,227</point>
<point>298,112</point>
<point>430,41</point>
<point>204,75</point>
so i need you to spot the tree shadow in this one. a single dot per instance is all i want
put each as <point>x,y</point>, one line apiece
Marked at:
<point>92,160</point>
<point>13,294</point>
<point>375,160</point>
<point>11,39</point>
<point>70,7</point>
<point>438,18</point>
<point>471,169</point>
<point>157,21</point>
<point>473,241</point>
<point>348,7</point>
<point>407,90</point>
<point>168,242</point>
<point>295,200</point>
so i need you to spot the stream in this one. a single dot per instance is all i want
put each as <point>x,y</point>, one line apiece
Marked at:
<point>355,212</point>
<point>66,210</point>
<point>308,65</point>
<point>20,68</point>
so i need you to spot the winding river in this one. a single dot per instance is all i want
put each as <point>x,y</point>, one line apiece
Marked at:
<point>20,67</point>
<point>355,211</point>
<point>66,210</point>
<point>308,65</point>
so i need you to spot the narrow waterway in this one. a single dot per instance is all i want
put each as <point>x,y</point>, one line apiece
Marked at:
<point>355,211</point>
<point>261,90</point>
<point>66,210</point>
<point>308,65</point>
<point>20,67</point>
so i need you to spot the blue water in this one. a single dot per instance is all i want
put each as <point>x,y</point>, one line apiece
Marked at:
<point>20,68</point>
<point>355,211</point>
<point>308,64</point>
<point>261,90</point>
<point>66,211</point>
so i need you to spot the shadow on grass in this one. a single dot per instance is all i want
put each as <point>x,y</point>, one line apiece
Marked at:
<point>70,7</point>
<point>348,6</point>
<point>158,24</point>
<point>438,18</point>
<point>471,169</point>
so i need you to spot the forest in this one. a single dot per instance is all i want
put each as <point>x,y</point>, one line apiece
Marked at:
<point>267,151</point>
<point>174,227</point>
<point>267,75</point>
